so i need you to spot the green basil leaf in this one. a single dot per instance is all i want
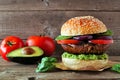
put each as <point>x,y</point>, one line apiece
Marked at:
<point>116,68</point>
<point>47,64</point>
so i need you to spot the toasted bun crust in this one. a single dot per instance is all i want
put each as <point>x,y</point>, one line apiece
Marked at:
<point>82,25</point>
<point>76,64</point>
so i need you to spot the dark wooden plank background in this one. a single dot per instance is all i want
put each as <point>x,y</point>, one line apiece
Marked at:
<point>34,17</point>
<point>92,5</point>
<point>24,18</point>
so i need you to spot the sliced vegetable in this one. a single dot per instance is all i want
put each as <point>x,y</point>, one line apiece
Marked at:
<point>68,41</point>
<point>47,64</point>
<point>26,55</point>
<point>60,37</point>
<point>83,37</point>
<point>99,41</point>
<point>116,68</point>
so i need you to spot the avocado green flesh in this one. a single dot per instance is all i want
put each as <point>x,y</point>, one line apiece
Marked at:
<point>18,52</point>
<point>85,57</point>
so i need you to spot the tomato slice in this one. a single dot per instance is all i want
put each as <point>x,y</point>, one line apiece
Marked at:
<point>98,41</point>
<point>68,41</point>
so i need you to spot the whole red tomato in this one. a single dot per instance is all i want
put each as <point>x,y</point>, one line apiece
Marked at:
<point>44,42</point>
<point>9,44</point>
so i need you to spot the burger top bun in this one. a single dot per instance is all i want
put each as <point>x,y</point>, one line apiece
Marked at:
<point>82,25</point>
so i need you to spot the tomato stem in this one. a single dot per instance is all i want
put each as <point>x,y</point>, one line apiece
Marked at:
<point>42,35</point>
<point>10,43</point>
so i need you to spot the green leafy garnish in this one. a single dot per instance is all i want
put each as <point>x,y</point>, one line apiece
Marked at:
<point>107,33</point>
<point>47,64</point>
<point>60,37</point>
<point>85,57</point>
<point>116,68</point>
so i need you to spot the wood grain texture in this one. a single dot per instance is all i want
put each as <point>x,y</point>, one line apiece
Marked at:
<point>108,5</point>
<point>24,18</point>
<point>14,71</point>
<point>24,24</point>
<point>114,48</point>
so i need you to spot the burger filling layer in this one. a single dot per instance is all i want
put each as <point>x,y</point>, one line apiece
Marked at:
<point>100,38</point>
<point>103,56</point>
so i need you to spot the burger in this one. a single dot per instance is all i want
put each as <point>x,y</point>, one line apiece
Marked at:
<point>85,40</point>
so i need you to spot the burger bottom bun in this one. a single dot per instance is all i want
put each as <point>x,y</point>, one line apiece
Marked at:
<point>75,64</point>
<point>86,48</point>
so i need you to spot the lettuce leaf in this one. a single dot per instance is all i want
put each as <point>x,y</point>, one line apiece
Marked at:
<point>60,37</point>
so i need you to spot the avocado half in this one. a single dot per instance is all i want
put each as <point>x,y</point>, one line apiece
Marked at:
<point>26,55</point>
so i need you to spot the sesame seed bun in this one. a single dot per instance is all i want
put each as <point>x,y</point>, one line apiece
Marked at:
<point>82,26</point>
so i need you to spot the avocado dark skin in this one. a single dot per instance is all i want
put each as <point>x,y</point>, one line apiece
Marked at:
<point>26,60</point>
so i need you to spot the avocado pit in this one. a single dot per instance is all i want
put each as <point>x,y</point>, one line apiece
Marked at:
<point>27,51</point>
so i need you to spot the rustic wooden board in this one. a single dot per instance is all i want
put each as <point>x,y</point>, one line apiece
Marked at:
<point>14,71</point>
<point>100,5</point>
<point>24,24</point>
<point>114,48</point>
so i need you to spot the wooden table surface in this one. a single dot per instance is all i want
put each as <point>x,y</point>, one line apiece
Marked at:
<point>14,71</point>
